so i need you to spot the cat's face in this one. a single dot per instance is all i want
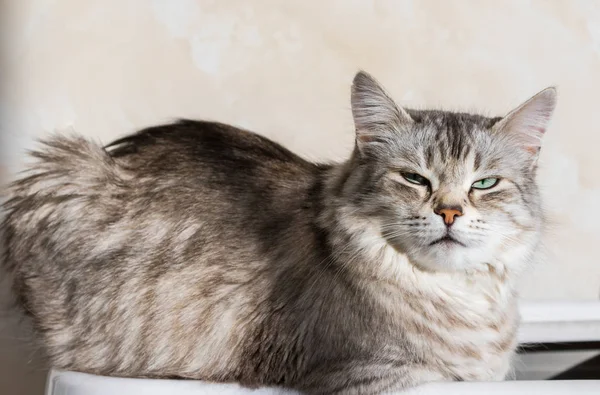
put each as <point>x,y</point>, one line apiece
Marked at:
<point>451,191</point>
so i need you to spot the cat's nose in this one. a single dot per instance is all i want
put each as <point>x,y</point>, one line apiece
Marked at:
<point>448,213</point>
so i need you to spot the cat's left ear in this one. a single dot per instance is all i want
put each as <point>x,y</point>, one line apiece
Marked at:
<point>375,114</point>
<point>529,121</point>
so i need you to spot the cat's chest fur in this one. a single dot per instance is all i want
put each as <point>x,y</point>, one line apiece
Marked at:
<point>461,326</point>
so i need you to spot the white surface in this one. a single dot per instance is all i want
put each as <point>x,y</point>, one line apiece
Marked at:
<point>574,311</point>
<point>553,322</point>
<point>70,383</point>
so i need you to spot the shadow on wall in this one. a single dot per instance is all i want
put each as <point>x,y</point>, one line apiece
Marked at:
<point>21,370</point>
<point>22,367</point>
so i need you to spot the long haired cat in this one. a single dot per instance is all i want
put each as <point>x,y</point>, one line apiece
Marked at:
<point>199,250</point>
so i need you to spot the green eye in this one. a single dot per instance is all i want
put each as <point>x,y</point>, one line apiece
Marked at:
<point>485,183</point>
<point>415,178</point>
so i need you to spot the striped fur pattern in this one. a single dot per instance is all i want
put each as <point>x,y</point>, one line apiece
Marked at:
<point>199,250</point>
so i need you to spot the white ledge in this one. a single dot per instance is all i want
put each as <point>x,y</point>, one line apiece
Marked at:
<point>71,383</point>
<point>553,322</point>
<point>560,311</point>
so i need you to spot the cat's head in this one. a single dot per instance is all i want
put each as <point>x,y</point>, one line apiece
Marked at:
<point>452,191</point>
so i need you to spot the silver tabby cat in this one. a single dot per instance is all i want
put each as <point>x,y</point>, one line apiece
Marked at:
<point>199,250</point>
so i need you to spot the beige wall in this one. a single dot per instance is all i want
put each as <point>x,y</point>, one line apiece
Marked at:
<point>283,69</point>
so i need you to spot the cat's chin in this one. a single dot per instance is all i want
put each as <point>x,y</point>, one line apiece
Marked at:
<point>450,256</point>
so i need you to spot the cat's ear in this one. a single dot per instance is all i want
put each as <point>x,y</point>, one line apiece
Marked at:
<point>373,110</point>
<point>529,121</point>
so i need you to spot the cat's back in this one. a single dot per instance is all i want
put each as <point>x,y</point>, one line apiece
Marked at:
<point>210,152</point>
<point>216,173</point>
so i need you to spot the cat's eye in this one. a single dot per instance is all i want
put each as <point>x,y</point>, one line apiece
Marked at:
<point>415,178</point>
<point>485,183</point>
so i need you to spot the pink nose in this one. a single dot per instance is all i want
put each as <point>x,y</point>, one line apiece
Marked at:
<point>449,214</point>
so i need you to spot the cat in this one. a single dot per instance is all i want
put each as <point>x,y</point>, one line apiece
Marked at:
<point>199,250</point>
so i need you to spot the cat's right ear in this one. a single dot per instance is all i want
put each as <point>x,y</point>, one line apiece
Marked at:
<point>528,122</point>
<point>375,113</point>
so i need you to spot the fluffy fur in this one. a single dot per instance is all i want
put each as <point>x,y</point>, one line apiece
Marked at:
<point>199,250</point>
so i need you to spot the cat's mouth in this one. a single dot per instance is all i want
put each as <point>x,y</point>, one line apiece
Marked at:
<point>447,240</point>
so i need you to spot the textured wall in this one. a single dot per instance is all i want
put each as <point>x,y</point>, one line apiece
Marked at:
<point>283,69</point>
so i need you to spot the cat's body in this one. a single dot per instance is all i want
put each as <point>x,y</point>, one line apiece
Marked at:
<point>199,250</point>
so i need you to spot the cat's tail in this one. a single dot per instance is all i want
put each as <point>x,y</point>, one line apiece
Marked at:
<point>66,165</point>
<point>69,178</point>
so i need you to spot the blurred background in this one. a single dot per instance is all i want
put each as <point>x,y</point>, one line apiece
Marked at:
<point>105,68</point>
